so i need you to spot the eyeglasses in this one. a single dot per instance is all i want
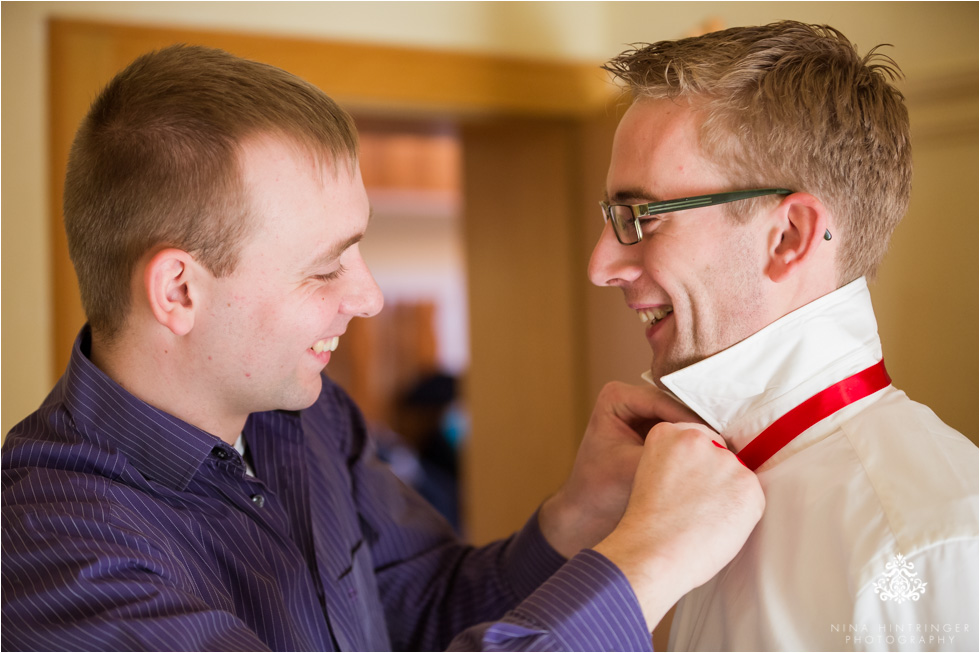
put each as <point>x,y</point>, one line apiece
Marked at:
<point>627,220</point>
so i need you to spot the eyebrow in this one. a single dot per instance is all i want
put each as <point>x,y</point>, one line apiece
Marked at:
<point>331,254</point>
<point>631,195</point>
<point>335,250</point>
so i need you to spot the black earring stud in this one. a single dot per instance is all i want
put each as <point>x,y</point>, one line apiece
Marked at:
<point>826,235</point>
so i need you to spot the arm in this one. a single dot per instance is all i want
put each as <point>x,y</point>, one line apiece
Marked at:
<point>433,586</point>
<point>76,578</point>
<point>507,593</point>
<point>438,586</point>
<point>592,501</point>
<point>692,507</point>
<point>587,605</point>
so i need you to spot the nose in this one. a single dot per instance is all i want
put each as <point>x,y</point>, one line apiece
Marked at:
<point>612,263</point>
<point>363,297</point>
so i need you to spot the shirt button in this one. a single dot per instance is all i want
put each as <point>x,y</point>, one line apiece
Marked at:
<point>258,500</point>
<point>220,453</point>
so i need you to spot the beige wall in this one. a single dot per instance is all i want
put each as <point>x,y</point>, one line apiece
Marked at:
<point>927,293</point>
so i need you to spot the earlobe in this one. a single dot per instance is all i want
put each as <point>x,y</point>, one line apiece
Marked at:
<point>802,225</point>
<point>171,287</point>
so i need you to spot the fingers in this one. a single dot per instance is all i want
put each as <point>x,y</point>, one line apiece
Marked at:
<point>692,462</point>
<point>697,430</point>
<point>691,509</point>
<point>593,499</point>
<point>711,434</point>
<point>719,444</point>
<point>641,407</point>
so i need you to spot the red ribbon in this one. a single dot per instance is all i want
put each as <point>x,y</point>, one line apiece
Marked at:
<point>823,404</point>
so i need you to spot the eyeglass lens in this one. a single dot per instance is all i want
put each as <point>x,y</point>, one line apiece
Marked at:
<point>624,224</point>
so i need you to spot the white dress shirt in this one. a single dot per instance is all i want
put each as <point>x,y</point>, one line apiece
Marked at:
<point>881,478</point>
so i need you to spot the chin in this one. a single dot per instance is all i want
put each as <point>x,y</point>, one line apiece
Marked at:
<point>659,367</point>
<point>303,396</point>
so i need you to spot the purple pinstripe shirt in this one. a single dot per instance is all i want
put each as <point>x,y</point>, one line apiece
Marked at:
<point>126,528</point>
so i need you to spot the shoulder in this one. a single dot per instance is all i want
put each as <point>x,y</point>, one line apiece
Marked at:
<point>49,484</point>
<point>48,453</point>
<point>922,474</point>
<point>913,459</point>
<point>58,518</point>
<point>59,479</point>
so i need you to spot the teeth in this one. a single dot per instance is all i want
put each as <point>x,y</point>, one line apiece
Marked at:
<point>652,315</point>
<point>330,344</point>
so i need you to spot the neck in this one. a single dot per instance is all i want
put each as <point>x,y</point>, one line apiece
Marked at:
<point>804,288</point>
<point>153,369</point>
<point>741,390</point>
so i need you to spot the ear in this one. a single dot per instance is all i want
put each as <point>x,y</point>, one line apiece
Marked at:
<point>171,280</point>
<point>800,226</point>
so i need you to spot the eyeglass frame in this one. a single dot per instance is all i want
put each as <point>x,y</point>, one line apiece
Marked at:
<point>671,206</point>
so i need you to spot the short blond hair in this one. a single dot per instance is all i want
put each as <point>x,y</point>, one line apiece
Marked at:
<point>155,163</point>
<point>794,106</point>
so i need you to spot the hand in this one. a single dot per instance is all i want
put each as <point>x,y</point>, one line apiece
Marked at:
<point>592,501</point>
<point>692,507</point>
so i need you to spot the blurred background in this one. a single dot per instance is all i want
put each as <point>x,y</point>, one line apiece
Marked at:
<point>485,131</point>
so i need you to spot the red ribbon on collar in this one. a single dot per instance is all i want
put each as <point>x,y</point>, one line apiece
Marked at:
<point>821,405</point>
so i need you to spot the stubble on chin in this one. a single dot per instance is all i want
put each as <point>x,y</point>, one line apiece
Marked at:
<point>665,366</point>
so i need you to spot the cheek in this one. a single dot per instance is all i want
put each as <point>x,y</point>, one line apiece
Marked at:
<point>324,304</point>
<point>255,319</point>
<point>684,275</point>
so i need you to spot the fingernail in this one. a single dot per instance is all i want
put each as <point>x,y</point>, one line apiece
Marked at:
<point>721,446</point>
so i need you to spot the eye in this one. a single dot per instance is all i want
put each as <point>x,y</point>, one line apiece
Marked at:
<point>330,276</point>
<point>650,224</point>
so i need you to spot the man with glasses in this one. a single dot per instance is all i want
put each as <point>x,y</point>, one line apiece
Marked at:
<point>753,187</point>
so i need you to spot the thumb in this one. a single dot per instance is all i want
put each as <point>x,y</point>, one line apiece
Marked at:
<point>644,406</point>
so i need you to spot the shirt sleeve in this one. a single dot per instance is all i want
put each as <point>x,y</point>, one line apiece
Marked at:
<point>76,578</point>
<point>588,605</point>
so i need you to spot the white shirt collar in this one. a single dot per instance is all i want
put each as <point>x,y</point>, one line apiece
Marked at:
<point>240,448</point>
<point>743,389</point>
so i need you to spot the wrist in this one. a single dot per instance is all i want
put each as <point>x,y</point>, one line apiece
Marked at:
<point>569,527</point>
<point>655,579</point>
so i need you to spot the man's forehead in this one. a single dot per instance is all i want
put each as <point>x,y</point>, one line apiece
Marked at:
<point>655,150</point>
<point>330,166</point>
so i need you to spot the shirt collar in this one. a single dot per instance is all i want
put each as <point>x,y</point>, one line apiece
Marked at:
<point>159,445</point>
<point>743,389</point>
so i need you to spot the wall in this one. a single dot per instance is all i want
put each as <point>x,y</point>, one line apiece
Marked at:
<point>932,40</point>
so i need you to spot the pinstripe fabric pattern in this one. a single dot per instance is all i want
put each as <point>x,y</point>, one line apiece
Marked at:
<point>586,606</point>
<point>125,528</point>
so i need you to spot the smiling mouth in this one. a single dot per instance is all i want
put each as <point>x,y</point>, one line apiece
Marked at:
<point>650,316</point>
<point>327,344</point>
